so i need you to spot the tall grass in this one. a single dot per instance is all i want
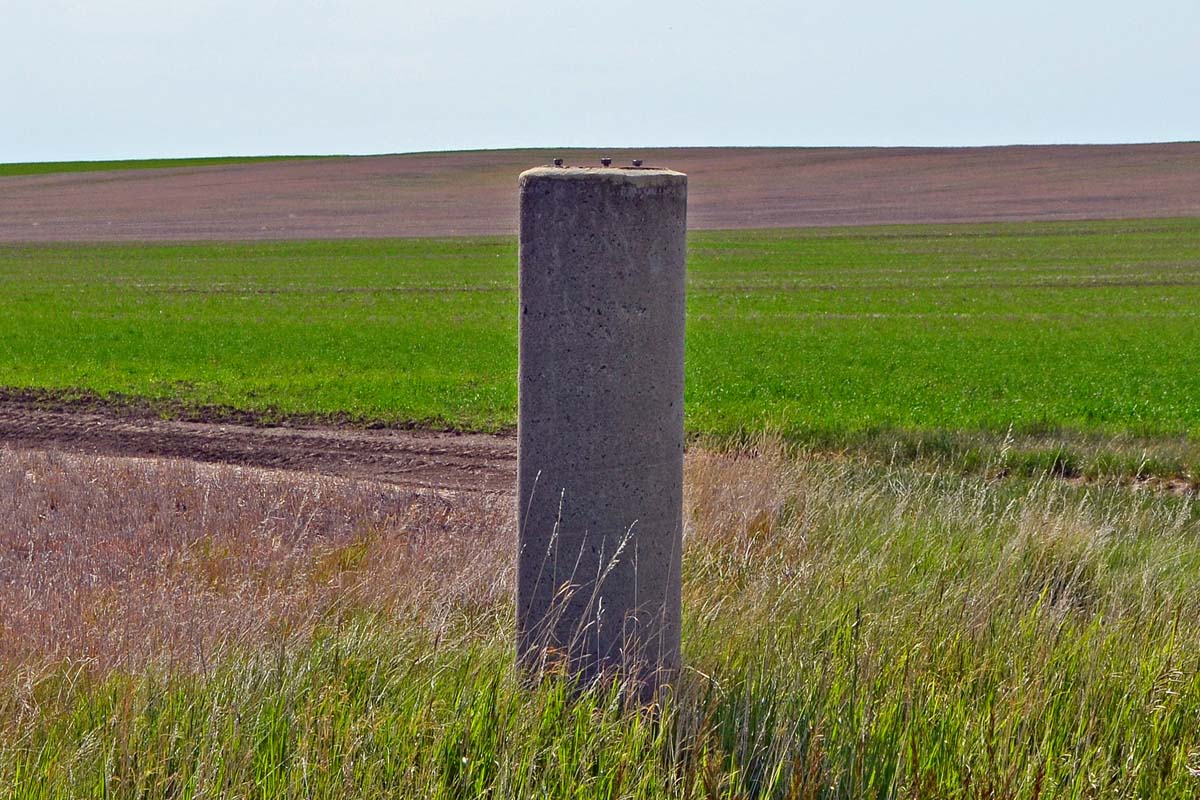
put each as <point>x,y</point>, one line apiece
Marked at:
<point>852,629</point>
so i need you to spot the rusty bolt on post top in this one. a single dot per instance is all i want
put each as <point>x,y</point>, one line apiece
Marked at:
<point>600,425</point>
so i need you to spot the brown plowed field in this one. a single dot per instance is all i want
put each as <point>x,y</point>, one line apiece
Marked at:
<point>452,194</point>
<point>418,459</point>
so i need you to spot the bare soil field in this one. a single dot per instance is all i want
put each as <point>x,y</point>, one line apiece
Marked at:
<point>473,193</point>
<point>416,459</point>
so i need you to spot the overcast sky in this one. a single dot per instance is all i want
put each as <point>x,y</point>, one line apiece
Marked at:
<point>155,78</point>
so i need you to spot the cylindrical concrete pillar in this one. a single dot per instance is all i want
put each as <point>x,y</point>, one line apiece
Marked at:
<point>600,451</point>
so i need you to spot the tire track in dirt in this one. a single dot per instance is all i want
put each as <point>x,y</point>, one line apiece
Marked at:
<point>419,459</point>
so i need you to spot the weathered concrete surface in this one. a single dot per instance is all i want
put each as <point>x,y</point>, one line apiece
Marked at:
<point>600,433</point>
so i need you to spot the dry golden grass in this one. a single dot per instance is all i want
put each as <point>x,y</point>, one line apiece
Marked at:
<point>124,563</point>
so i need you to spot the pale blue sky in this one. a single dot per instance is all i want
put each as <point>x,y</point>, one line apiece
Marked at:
<point>154,78</point>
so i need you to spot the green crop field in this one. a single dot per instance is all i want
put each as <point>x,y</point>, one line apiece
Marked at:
<point>886,335</point>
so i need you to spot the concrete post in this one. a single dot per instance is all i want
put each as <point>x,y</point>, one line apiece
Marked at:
<point>600,450</point>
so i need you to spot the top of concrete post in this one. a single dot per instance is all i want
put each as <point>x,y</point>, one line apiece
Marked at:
<point>633,176</point>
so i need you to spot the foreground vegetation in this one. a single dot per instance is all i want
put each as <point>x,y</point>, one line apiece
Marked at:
<point>1080,338</point>
<point>852,630</point>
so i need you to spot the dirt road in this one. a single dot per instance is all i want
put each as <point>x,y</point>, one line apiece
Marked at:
<point>419,459</point>
<point>452,194</point>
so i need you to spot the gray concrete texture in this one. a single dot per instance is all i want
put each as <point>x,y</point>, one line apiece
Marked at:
<point>600,431</point>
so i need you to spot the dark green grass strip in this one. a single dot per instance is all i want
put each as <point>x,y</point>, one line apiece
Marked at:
<point>50,167</point>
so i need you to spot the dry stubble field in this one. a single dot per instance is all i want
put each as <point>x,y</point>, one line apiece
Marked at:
<point>473,193</point>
